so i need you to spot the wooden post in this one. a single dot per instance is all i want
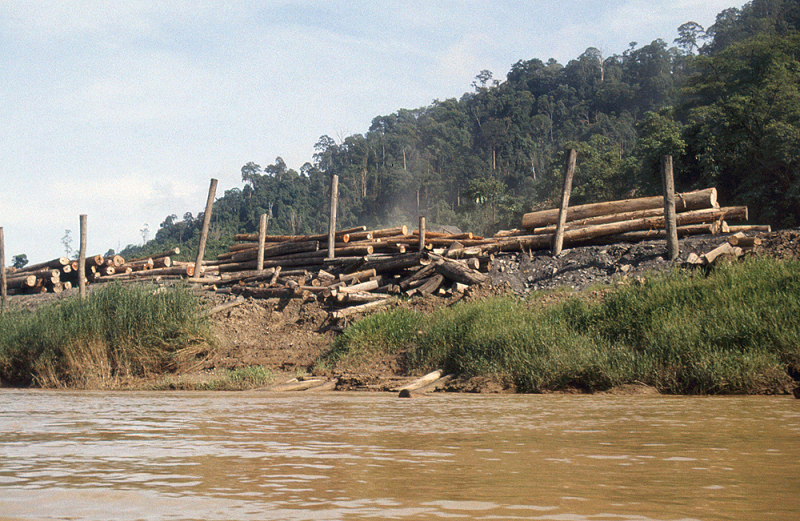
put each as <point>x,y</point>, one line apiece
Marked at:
<point>3,281</point>
<point>332,224</point>
<point>262,234</point>
<point>82,259</point>
<point>421,233</point>
<point>569,171</point>
<point>201,249</point>
<point>669,208</point>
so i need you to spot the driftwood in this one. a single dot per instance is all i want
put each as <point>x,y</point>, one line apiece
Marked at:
<point>421,382</point>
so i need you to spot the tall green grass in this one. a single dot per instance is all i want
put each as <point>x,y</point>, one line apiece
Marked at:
<point>117,332</point>
<point>727,332</point>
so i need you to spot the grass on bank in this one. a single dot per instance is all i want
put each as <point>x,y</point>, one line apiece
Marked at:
<point>730,331</point>
<point>117,332</point>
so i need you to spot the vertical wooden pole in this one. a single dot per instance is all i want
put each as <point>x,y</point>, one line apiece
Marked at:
<point>201,249</point>
<point>669,208</point>
<point>262,234</point>
<point>422,233</point>
<point>3,282</point>
<point>82,259</point>
<point>569,171</point>
<point>332,224</point>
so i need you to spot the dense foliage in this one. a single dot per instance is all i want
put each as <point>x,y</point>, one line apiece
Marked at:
<point>724,101</point>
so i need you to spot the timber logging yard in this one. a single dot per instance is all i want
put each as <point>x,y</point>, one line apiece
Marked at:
<point>671,294</point>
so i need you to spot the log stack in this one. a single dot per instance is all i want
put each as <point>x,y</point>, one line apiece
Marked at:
<point>629,220</point>
<point>61,273</point>
<point>372,268</point>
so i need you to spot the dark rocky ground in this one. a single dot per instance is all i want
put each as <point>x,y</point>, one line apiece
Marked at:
<point>583,267</point>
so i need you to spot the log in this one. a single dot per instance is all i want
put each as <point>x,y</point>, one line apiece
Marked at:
<point>82,257</point>
<point>421,382</point>
<point>395,262</point>
<point>41,273</point>
<point>332,220</point>
<point>359,297</point>
<point>183,271</point>
<point>294,385</point>
<point>267,292</point>
<point>369,306</point>
<point>227,305</point>
<point>686,201</point>
<point>363,286</point>
<point>670,222</point>
<point>725,249</point>
<point>459,272</point>
<point>648,235</point>
<point>262,232</point>
<point>201,249</point>
<point>114,260</point>
<point>203,280</point>
<point>25,281</point>
<point>420,274</point>
<point>390,232</point>
<point>431,285</point>
<point>750,228</point>
<point>569,171</point>
<point>358,276</point>
<point>422,232</point>
<point>52,264</point>
<point>140,265</point>
<point>253,237</point>
<point>247,276</point>
<point>326,278</point>
<point>277,250</point>
<point>360,236</point>
<point>743,241</point>
<point>682,219</point>
<point>3,280</point>
<point>162,262</point>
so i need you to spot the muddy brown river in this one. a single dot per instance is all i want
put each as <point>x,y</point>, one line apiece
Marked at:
<point>255,456</point>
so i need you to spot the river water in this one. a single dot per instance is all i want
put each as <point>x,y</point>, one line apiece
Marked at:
<point>254,456</point>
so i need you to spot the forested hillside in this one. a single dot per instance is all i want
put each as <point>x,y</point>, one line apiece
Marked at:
<point>723,100</point>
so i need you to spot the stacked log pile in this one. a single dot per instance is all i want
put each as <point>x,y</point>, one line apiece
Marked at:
<point>371,268</point>
<point>61,273</point>
<point>629,220</point>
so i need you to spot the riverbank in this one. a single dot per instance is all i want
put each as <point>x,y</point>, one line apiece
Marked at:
<point>497,338</point>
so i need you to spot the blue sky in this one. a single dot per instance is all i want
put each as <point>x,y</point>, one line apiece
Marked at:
<point>124,111</point>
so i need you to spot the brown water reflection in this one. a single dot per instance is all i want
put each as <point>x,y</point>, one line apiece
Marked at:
<point>126,456</point>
